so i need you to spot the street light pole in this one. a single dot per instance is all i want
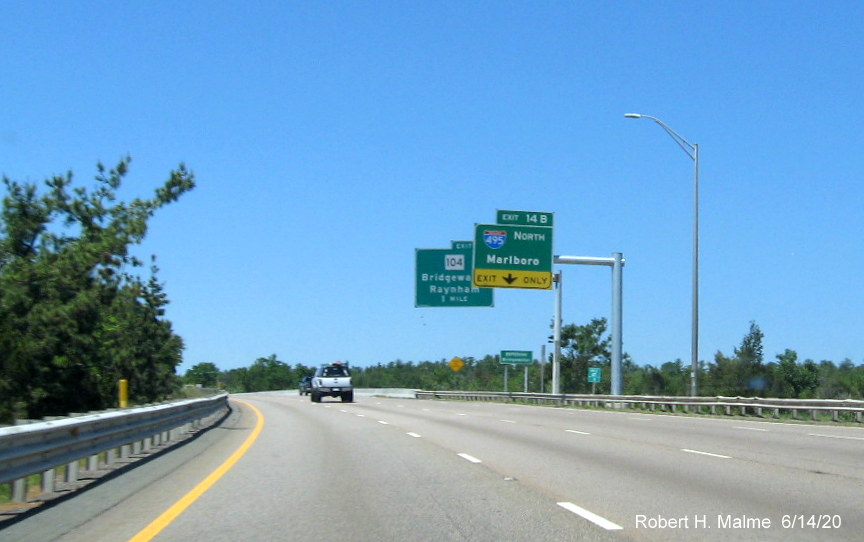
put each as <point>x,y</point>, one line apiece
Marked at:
<point>692,150</point>
<point>694,330</point>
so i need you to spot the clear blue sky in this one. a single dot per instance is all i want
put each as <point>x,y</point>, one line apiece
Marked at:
<point>331,139</point>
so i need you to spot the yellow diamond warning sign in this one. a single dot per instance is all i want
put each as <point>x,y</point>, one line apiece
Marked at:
<point>456,364</point>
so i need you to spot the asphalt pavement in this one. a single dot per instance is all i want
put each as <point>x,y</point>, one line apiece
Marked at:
<point>404,469</point>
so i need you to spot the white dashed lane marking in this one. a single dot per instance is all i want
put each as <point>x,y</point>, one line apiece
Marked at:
<point>590,516</point>
<point>709,454</point>
<point>470,458</point>
<point>834,436</point>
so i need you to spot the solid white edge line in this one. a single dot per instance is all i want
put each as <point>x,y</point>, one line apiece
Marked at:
<point>470,458</point>
<point>590,516</point>
<point>705,453</point>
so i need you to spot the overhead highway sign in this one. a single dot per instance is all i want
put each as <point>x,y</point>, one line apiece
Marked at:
<point>512,256</point>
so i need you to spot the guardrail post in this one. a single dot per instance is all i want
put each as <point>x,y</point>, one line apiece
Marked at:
<point>48,485</point>
<point>19,490</point>
<point>72,472</point>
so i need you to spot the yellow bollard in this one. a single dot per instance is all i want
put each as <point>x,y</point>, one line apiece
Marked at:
<point>124,393</point>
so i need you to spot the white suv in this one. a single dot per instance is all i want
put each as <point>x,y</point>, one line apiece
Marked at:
<point>332,380</point>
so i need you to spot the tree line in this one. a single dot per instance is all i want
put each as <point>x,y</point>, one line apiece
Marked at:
<point>743,373</point>
<point>75,317</point>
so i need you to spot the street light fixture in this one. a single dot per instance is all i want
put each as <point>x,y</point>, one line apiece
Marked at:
<point>692,150</point>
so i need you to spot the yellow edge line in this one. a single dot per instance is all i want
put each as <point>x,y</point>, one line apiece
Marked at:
<point>181,505</point>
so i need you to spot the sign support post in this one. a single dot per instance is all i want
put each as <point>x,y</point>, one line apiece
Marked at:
<point>616,262</point>
<point>556,336</point>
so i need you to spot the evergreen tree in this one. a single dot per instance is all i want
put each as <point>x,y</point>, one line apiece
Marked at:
<point>582,347</point>
<point>73,320</point>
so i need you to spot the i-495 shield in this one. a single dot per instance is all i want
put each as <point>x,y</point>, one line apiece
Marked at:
<point>494,239</point>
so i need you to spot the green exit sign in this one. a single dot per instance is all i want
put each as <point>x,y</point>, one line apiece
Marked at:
<point>443,278</point>
<point>525,218</point>
<point>512,256</point>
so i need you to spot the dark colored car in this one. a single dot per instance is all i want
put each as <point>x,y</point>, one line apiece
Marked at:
<point>305,385</point>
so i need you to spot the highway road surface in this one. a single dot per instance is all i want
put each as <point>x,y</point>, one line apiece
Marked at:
<point>382,469</point>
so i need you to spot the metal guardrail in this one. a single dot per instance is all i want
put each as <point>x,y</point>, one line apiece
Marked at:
<point>755,406</point>
<point>42,447</point>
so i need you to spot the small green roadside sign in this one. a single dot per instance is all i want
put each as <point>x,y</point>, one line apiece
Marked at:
<point>443,278</point>
<point>516,357</point>
<point>594,374</point>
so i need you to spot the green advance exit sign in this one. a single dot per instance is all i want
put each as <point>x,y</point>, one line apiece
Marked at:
<point>443,278</point>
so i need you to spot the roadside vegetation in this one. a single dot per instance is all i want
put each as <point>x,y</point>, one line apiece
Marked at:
<point>75,317</point>
<point>744,373</point>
